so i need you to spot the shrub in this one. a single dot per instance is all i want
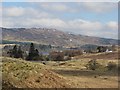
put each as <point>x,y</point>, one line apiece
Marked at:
<point>46,58</point>
<point>72,53</point>
<point>57,56</point>
<point>92,65</point>
<point>67,58</point>
<point>111,66</point>
<point>101,48</point>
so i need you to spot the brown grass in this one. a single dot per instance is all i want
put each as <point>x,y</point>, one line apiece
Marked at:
<point>23,74</point>
<point>110,55</point>
<point>62,74</point>
<point>75,71</point>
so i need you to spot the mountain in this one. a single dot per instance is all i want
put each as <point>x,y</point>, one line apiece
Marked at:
<point>52,36</point>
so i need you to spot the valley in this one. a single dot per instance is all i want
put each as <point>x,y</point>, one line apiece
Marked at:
<point>64,60</point>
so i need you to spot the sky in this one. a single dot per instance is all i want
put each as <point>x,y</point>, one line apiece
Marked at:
<point>87,18</point>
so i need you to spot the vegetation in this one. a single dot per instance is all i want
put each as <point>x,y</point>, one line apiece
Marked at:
<point>13,42</point>
<point>58,64</point>
<point>75,71</point>
<point>93,65</point>
<point>64,55</point>
<point>57,56</point>
<point>23,73</point>
<point>112,66</point>
<point>16,52</point>
<point>72,53</point>
<point>45,47</point>
<point>101,48</point>
<point>18,73</point>
<point>20,52</point>
<point>33,53</point>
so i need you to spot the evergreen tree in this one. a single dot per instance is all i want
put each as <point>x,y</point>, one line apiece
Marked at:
<point>36,55</point>
<point>36,52</point>
<point>14,52</point>
<point>33,53</point>
<point>20,52</point>
<point>32,48</point>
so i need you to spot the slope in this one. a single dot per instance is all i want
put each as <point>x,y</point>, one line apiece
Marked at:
<point>18,73</point>
<point>52,36</point>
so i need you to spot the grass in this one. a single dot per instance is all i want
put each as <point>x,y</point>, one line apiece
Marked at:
<point>76,72</point>
<point>25,74</point>
<point>22,73</point>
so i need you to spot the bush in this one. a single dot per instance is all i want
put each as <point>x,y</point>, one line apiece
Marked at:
<point>72,53</point>
<point>64,55</point>
<point>67,58</point>
<point>57,56</point>
<point>111,66</point>
<point>92,65</point>
<point>47,58</point>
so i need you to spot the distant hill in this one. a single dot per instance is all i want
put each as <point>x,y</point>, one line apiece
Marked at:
<point>52,36</point>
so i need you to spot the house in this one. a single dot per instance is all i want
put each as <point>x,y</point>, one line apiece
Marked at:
<point>107,50</point>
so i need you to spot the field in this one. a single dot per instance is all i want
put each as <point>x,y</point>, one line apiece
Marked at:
<point>76,72</point>
<point>63,74</point>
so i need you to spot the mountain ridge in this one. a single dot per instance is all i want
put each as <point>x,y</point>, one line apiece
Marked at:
<point>53,37</point>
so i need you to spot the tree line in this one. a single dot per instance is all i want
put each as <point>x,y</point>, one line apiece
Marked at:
<point>17,52</point>
<point>33,53</point>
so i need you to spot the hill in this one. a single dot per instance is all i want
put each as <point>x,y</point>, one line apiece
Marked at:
<point>18,73</point>
<point>52,36</point>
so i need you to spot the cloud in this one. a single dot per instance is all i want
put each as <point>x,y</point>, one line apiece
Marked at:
<point>60,0</point>
<point>84,24</point>
<point>99,7</point>
<point>112,25</point>
<point>14,11</point>
<point>94,7</point>
<point>58,7</point>
<point>0,15</point>
<point>0,10</point>
<point>57,23</point>
<point>24,12</point>
<point>45,22</point>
